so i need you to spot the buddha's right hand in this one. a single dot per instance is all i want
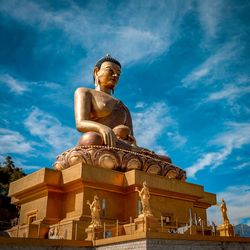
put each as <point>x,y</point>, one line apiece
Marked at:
<point>108,136</point>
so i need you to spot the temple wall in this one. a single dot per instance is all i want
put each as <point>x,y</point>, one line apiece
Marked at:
<point>54,206</point>
<point>34,207</point>
<point>165,205</point>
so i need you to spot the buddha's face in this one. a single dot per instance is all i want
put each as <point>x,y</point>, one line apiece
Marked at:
<point>108,75</point>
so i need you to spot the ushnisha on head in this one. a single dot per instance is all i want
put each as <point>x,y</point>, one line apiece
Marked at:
<point>106,74</point>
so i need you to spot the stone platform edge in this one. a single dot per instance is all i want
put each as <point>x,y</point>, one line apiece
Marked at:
<point>4,241</point>
<point>164,236</point>
<point>124,239</point>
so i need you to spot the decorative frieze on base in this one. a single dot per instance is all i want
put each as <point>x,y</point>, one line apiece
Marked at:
<point>118,159</point>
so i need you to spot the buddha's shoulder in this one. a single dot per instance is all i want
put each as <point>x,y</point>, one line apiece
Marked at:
<point>83,90</point>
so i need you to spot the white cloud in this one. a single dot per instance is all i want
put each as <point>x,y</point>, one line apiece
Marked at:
<point>213,66</point>
<point>238,205</point>
<point>153,123</point>
<point>50,130</point>
<point>15,85</point>
<point>235,137</point>
<point>212,159</point>
<point>242,165</point>
<point>139,105</point>
<point>177,139</point>
<point>211,14</point>
<point>150,123</point>
<point>230,92</point>
<point>49,85</point>
<point>13,142</point>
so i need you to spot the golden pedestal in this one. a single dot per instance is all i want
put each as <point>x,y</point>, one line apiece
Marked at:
<point>129,228</point>
<point>94,233</point>
<point>225,230</point>
<point>147,224</point>
<point>49,198</point>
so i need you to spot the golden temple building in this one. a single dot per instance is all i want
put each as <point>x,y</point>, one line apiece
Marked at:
<point>52,199</point>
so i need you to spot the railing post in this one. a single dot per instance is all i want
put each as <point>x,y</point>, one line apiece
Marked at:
<point>117,227</point>
<point>143,224</point>
<point>161,223</point>
<point>190,229</point>
<point>93,233</point>
<point>104,230</point>
<point>17,232</point>
<point>59,230</point>
<point>76,228</point>
<point>38,231</point>
<point>130,225</point>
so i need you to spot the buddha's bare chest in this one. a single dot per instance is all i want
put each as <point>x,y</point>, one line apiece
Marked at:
<point>102,104</point>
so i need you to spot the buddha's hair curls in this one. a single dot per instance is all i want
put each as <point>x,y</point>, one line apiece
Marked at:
<point>107,58</point>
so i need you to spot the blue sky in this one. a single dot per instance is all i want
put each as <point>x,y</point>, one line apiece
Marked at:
<point>185,78</point>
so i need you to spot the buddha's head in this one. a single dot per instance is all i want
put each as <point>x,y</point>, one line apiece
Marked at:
<point>106,73</point>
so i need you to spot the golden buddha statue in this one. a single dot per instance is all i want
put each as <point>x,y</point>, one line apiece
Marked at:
<point>104,119</point>
<point>107,126</point>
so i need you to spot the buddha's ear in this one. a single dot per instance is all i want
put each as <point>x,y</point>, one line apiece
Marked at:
<point>95,71</point>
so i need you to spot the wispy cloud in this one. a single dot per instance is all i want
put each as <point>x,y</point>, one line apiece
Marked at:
<point>211,14</point>
<point>229,92</point>
<point>13,142</point>
<point>237,136</point>
<point>212,159</point>
<point>242,165</point>
<point>150,123</point>
<point>50,130</point>
<point>17,86</point>
<point>155,122</point>
<point>139,105</point>
<point>213,66</point>
<point>238,205</point>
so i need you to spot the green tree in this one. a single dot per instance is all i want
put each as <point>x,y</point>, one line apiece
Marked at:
<point>8,173</point>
